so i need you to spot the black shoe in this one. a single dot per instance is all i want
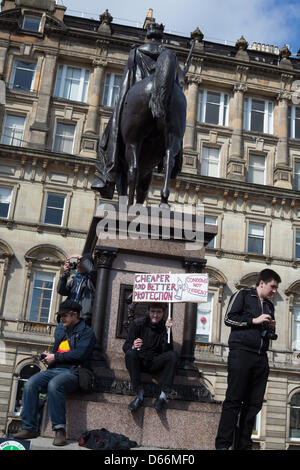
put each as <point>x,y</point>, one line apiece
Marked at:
<point>159,403</point>
<point>135,404</point>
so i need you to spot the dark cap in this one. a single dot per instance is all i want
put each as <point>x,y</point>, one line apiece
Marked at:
<point>68,306</point>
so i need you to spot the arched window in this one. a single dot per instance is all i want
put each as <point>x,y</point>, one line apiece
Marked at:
<point>295,417</point>
<point>42,269</point>
<point>293,298</point>
<point>25,373</point>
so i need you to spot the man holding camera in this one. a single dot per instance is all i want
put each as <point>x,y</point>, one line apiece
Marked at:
<point>250,314</point>
<point>81,286</point>
<point>74,343</point>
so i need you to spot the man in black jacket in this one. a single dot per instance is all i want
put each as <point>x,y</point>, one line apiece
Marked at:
<point>74,342</point>
<point>250,314</point>
<point>80,287</point>
<point>147,349</point>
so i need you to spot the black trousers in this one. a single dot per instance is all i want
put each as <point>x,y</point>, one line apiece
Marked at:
<point>247,379</point>
<point>165,362</point>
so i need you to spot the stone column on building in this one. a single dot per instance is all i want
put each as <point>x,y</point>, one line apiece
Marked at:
<point>283,170</point>
<point>91,128</point>
<point>40,127</point>
<point>103,261</point>
<point>191,116</point>
<point>191,265</point>
<point>236,162</point>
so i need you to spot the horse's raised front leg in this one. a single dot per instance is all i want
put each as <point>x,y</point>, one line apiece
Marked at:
<point>168,166</point>
<point>132,174</point>
<point>169,162</point>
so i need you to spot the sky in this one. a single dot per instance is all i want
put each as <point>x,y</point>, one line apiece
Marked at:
<point>275,22</point>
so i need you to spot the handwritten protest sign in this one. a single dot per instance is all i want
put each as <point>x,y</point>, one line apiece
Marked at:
<point>170,287</point>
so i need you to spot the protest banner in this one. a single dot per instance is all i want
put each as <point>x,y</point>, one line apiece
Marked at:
<point>169,287</point>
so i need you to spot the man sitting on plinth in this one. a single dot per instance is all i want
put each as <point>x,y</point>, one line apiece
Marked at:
<point>147,350</point>
<point>74,343</point>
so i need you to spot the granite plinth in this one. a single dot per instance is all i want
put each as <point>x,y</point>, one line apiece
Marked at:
<point>180,425</point>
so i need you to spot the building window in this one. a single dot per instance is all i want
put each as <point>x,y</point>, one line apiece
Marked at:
<point>41,297</point>
<point>256,238</point>
<point>297,247</point>
<point>72,83</point>
<point>111,89</point>
<point>257,169</point>
<point>64,138</point>
<point>5,201</point>
<point>213,107</point>
<point>296,329</point>
<point>210,220</point>
<point>297,176</point>
<point>54,209</point>
<point>204,320</point>
<point>22,77</point>
<point>13,130</point>
<point>26,372</point>
<point>295,418</point>
<point>32,23</point>
<point>294,122</point>
<point>258,115</point>
<point>210,161</point>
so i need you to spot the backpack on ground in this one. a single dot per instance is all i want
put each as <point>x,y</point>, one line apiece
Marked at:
<point>102,439</point>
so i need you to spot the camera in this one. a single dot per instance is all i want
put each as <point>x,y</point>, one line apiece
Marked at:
<point>267,333</point>
<point>42,356</point>
<point>73,265</point>
<point>271,335</point>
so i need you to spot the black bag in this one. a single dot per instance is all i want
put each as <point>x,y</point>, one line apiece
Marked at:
<point>86,379</point>
<point>102,439</point>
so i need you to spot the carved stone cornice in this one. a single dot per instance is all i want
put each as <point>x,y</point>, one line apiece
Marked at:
<point>99,62</point>
<point>240,87</point>
<point>193,78</point>
<point>194,265</point>
<point>284,95</point>
<point>242,72</point>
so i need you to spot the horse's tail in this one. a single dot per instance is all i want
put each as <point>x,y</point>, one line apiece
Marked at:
<point>163,83</point>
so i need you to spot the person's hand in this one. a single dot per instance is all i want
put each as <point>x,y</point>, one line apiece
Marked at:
<point>49,359</point>
<point>169,323</point>
<point>137,343</point>
<point>272,325</point>
<point>66,266</point>
<point>74,256</point>
<point>264,317</point>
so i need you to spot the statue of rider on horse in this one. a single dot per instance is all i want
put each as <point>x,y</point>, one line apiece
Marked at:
<point>147,125</point>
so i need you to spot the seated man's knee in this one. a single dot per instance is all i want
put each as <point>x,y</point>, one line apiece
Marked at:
<point>32,383</point>
<point>131,356</point>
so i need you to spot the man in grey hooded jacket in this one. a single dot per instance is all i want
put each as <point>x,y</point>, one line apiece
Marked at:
<point>79,286</point>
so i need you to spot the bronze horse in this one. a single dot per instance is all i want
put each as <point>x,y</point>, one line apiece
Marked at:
<point>152,124</point>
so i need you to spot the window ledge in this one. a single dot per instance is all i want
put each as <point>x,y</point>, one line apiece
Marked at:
<point>59,99</point>
<point>26,32</point>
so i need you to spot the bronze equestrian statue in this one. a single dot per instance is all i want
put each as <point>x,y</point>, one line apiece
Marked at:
<point>147,125</point>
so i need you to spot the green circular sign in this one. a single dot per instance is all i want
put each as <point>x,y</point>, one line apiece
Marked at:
<point>11,445</point>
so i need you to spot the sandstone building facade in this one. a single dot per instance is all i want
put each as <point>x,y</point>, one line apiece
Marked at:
<point>60,77</point>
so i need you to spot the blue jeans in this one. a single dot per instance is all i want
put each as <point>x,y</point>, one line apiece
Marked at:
<point>56,382</point>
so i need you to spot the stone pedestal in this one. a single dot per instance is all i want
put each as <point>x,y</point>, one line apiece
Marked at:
<point>181,425</point>
<point>190,418</point>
